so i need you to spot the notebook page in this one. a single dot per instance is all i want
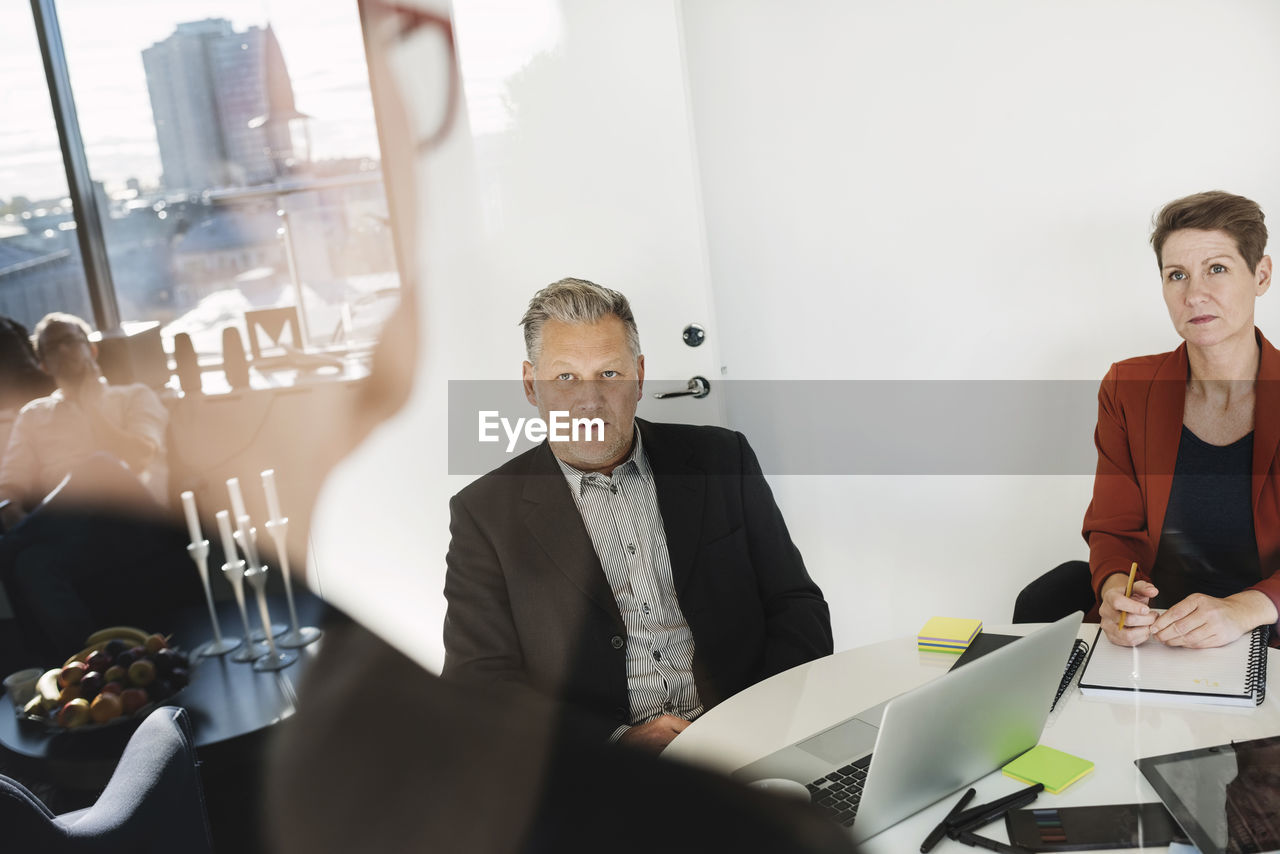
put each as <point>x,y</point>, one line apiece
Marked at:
<point>1156,667</point>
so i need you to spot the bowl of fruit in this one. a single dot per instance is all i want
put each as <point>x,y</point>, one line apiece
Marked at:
<point>121,675</point>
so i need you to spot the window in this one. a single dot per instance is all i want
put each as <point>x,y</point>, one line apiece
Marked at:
<point>235,164</point>
<point>40,267</point>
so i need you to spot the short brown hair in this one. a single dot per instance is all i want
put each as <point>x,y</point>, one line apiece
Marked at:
<point>1215,210</point>
<point>575,301</point>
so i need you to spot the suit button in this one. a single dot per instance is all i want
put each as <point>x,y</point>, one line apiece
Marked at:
<point>617,641</point>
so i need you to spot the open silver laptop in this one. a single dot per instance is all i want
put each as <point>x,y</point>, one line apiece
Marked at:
<point>893,760</point>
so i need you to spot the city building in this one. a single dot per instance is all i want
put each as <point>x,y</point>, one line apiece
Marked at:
<point>207,84</point>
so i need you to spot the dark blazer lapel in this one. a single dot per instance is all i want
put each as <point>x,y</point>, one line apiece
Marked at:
<point>1266,415</point>
<point>1165,403</point>
<point>681,489</point>
<point>556,525</point>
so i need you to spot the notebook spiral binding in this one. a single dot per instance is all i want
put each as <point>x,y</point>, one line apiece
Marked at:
<point>1256,681</point>
<point>1078,652</point>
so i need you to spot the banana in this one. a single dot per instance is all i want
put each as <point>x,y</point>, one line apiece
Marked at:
<point>48,688</point>
<point>129,634</point>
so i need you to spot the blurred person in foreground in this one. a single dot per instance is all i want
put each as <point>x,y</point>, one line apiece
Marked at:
<point>1188,479</point>
<point>643,572</point>
<point>384,756</point>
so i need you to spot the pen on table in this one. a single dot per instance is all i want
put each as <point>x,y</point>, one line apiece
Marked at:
<point>1128,588</point>
<point>935,835</point>
<point>984,813</point>
<point>990,844</point>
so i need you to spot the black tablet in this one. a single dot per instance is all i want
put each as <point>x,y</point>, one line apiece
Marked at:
<point>1226,797</point>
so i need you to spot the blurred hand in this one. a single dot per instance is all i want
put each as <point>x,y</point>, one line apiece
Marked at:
<point>1136,607</point>
<point>1205,621</point>
<point>654,735</point>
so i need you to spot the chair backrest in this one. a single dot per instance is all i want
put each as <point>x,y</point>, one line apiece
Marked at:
<point>154,801</point>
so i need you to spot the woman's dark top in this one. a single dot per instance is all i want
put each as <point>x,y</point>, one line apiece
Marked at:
<point>1208,544</point>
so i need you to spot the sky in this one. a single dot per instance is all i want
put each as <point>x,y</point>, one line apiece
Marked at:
<point>104,41</point>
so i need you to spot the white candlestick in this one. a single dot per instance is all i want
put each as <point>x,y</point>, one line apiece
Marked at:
<point>237,500</point>
<point>193,520</point>
<point>246,540</point>
<point>273,499</point>
<point>228,541</point>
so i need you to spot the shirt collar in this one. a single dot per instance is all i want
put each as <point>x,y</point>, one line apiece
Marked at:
<point>578,479</point>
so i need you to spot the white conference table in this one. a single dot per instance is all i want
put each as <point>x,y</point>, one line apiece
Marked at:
<point>813,696</point>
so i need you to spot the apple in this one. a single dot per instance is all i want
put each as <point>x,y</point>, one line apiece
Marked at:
<point>165,660</point>
<point>72,673</point>
<point>132,699</point>
<point>91,684</point>
<point>141,673</point>
<point>75,713</point>
<point>125,658</point>
<point>115,673</point>
<point>156,642</point>
<point>98,661</point>
<point>105,707</point>
<point>113,687</point>
<point>68,693</point>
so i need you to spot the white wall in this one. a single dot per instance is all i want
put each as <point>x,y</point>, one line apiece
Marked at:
<point>941,190</point>
<point>869,190</point>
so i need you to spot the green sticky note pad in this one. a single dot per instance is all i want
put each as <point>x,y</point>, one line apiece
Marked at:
<point>1055,769</point>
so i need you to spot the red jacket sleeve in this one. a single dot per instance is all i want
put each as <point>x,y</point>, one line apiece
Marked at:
<point>1115,525</point>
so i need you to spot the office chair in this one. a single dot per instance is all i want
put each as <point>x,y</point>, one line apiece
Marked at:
<point>1063,590</point>
<point>153,803</point>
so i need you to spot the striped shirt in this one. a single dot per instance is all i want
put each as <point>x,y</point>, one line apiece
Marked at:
<point>625,525</point>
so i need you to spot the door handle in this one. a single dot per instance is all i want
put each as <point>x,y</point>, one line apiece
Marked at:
<point>699,387</point>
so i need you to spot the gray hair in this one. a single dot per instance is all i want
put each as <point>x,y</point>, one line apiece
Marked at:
<point>575,301</point>
<point>57,317</point>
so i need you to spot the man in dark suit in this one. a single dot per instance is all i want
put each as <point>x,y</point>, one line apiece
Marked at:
<point>641,572</point>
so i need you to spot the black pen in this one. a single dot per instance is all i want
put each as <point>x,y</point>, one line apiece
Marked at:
<point>990,844</point>
<point>935,835</point>
<point>994,809</point>
<point>972,819</point>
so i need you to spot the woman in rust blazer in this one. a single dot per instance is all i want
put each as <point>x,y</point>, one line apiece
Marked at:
<point>1188,479</point>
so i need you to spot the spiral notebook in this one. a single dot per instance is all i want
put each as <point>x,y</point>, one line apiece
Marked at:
<point>1231,675</point>
<point>987,642</point>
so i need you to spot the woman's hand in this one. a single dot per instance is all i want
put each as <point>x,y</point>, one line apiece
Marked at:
<point>1204,621</point>
<point>1138,616</point>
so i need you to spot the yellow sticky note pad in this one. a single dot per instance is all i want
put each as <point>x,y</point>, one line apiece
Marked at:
<point>1055,769</point>
<point>950,631</point>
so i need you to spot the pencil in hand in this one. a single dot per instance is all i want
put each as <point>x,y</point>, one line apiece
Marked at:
<point>1128,589</point>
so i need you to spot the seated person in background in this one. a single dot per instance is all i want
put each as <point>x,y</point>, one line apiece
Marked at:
<point>643,575</point>
<point>21,379</point>
<point>1188,479</point>
<point>64,564</point>
<point>85,417</point>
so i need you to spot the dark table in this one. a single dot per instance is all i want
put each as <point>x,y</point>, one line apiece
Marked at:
<point>232,706</point>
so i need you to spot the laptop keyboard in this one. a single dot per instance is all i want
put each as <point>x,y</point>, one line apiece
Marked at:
<point>840,792</point>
